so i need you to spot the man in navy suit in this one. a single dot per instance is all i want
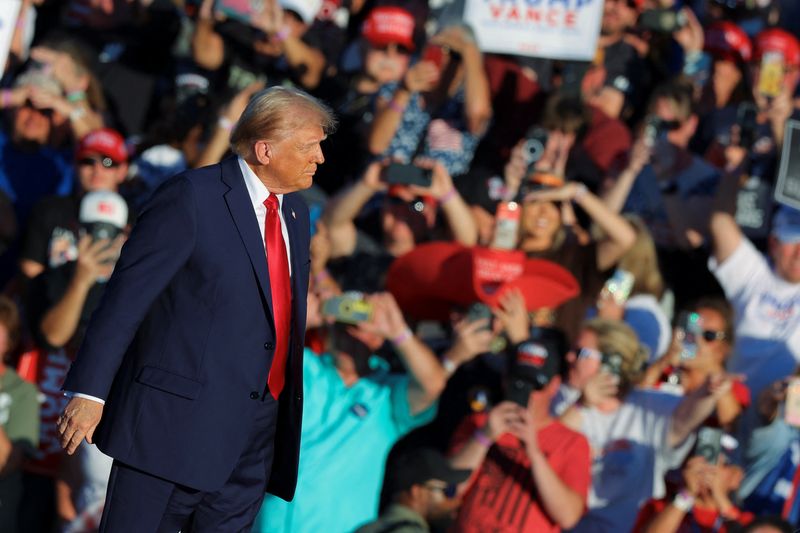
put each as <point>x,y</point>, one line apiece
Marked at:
<point>190,374</point>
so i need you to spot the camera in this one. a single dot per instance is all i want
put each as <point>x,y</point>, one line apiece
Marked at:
<point>709,444</point>
<point>662,20</point>
<point>349,308</point>
<point>535,143</point>
<point>746,115</point>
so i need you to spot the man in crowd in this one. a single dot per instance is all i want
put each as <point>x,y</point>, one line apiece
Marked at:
<point>422,488</point>
<point>161,398</point>
<point>521,446</point>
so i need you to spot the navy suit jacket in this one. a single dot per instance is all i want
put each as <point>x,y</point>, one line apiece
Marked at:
<point>183,337</point>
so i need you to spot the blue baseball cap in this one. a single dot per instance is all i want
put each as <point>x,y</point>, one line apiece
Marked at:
<point>786,225</point>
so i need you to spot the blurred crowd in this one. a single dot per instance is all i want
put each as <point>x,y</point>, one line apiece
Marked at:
<point>545,294</point>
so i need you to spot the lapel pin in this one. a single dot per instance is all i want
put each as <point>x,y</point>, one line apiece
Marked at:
<point>293,216</point>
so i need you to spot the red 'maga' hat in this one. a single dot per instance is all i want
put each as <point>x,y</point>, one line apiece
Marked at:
<point>430,280</point>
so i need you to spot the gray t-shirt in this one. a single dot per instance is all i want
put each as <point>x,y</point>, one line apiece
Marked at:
<point>630,455</point>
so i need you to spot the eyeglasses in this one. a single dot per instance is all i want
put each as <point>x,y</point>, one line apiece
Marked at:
<point>711,335</point>
<point>106,162</point>
<point>589,353</point>
<point>47,112</point>
<point>450,490</point>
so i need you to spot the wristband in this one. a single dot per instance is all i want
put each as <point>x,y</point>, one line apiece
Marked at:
<point>76,96</point>
<point>449,195</point>
<point>394,106</point>
<point>482,439</point>
<point>225,123</point>
<point>321,276</point>
<point>77,113</point>
<point>282,34</point>
<point>6,98</point>
<point>684,501</point>
<point>403,337</point>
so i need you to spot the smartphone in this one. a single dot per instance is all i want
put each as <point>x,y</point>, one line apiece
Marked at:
<point>611,364</point>
<point>770,78</point>
<point>479,311</point>
<point>506,227</point>
<point>662,20</point>
<point>349,308</point>
<point>654,130</point>
<point>407,174</point>
<point>241,10</point>
<point>791,409</point>
<point>709,444</point>
<point>519,390</point>
<point>689,330</point>
<point>435,54</point>
<point>746,115</point>
<point>619,286</point>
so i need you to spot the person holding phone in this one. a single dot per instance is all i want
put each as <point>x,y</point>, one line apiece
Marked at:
<point>551,465</point>
<point>440,109</point>
<point>635,435</point>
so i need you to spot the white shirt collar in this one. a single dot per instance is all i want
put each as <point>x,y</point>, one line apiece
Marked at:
<point>255,187</point>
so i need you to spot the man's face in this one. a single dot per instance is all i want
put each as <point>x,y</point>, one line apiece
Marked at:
<point>294,160</point>
<point>618,15</point>
<point>97,172</point>
<point>440,504</point>
<point>32,125</point>
<point>786,257</point>
<point>665,109</point>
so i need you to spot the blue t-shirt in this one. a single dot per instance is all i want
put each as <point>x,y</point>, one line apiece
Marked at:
<point>347,434</point>
<point>27,177</point>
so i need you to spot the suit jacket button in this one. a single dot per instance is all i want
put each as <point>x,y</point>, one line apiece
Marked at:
<point>254,395</point>
<point>268,346</point>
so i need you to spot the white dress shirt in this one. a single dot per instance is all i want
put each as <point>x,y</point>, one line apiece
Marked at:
<point>258,193</point>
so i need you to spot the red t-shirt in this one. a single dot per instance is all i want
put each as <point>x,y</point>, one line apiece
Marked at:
<point>502,496</point>
<point>700,520</point>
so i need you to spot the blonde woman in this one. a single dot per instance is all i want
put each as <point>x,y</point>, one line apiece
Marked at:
<point>635,435</point>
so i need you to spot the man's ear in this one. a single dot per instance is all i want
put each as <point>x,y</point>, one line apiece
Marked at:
<point>263,152</point>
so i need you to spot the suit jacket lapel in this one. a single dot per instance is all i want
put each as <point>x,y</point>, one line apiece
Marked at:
<point>244,217</point>
<point>295,242</point>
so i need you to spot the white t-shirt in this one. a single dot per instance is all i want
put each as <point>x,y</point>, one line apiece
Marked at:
<point>767,317</point>
<point>630,455</point>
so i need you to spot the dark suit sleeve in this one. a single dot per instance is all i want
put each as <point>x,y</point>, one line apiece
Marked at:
<point>160,244</point>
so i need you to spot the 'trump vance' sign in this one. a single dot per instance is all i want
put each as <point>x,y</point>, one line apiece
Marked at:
<point>555,29</point>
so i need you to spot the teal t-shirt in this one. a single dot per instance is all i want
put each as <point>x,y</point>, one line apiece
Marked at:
<point>347,434</point>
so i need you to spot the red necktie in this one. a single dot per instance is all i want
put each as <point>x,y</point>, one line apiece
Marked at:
<point>278,265</point>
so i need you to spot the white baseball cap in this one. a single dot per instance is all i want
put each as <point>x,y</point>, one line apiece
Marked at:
<point>105,207</point>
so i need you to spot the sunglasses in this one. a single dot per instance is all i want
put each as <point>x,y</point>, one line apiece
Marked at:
<point>406,51</point>
<point>47,112</point>
<point>711,335</point>
<point>589,353</point>
<point>105,162</point>
<point>449,490</point>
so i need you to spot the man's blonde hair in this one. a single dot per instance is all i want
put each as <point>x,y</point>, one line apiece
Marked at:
<point>272,114</point>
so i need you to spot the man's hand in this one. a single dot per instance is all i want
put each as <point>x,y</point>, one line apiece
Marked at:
<point>601,387</point>
<point>78,421</point>
<point>95,259</point>
<point>513,314</point>
<point>505,417</point>
<point>471,340</point>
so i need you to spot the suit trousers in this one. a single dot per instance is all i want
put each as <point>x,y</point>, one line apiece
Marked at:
<point>138,502</point>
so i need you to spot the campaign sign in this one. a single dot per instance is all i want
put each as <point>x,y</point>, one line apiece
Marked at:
<point>554,29</point>
<point>9,10</point>
<point>787,188</point>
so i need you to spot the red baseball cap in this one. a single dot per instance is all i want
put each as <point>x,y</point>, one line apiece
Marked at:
<point>776,40</point>
<point>106,142</point>
<point>728,41</point>
<point>431,279</point>
<point>386,25</point>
